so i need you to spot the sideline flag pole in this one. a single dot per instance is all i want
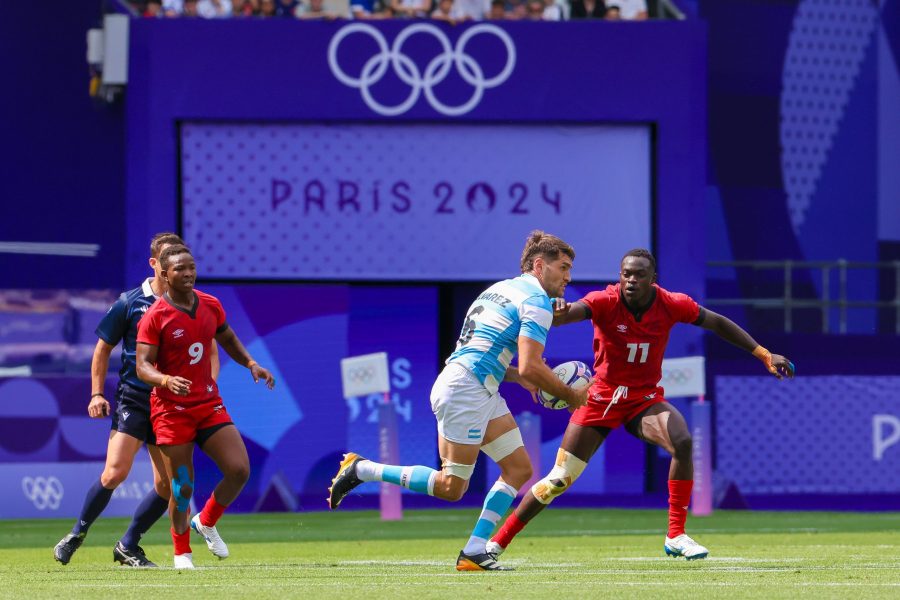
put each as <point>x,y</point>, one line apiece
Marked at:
<point>686,377</point>
<point>368,374</point>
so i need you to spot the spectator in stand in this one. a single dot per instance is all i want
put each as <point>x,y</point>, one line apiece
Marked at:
<point>444,11</point>
<point>315,10</point>
<point>368,9</point>
<point>534,10</point>
<point>267,8</point>
<point>627,10</point>
<point>517,9</point>
<point>246,8</point>
<point>214,9</point>
<point>411,9</point>
<point>286,8</point>
<point>498,10</point>
<point>173,8</point>
<point>190,9</point>
<point>153,9</point>
<point>588,9</point>
<point>471,9</point>
<point>552,11</point>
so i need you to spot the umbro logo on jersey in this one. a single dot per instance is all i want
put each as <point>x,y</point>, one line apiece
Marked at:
<point>178,333</point>
<point>622,328</point>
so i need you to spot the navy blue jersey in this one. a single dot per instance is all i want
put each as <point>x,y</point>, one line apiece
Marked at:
<point>121,324</point>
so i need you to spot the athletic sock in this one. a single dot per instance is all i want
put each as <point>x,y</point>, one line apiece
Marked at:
<point>212,512</point>
<point>148,512</point>
<point>510,529</point>
<point>94,502</point>
<point>181,541</point>
<point>496,503</point>
<point>679,501</point>
<point>416,478</point>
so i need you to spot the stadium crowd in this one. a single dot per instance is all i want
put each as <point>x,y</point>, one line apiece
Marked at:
<point>444,10</point>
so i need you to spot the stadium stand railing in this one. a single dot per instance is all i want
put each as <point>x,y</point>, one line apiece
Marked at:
<point>794,296</point>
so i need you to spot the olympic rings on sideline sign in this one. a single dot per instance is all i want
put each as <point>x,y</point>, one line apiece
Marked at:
<point>408,72</point>
<point>44,492</point>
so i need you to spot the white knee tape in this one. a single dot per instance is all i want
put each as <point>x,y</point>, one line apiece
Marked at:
<point>504,445</point>
<point>564,473</point>
<point>457,470</point>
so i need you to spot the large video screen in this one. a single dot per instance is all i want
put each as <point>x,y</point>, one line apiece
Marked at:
<point>411,202</point>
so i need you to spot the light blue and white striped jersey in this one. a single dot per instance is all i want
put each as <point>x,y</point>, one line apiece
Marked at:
<point>503,312</point>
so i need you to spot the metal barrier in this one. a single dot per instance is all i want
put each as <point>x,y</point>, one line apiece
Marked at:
<point>788,301</point>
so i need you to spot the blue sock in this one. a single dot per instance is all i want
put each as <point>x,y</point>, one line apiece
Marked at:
<point>496,503</point>
<point>418,478</point>
<point>96,500</point>
<point>148,512</point>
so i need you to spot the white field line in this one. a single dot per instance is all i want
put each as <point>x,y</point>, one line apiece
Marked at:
<point>468,580</point>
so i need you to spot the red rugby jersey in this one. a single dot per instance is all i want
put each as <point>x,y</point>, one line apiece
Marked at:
<point>183,339</point>
<point>629,351</point>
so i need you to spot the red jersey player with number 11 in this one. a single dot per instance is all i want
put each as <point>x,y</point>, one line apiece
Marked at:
<point>173,344</point>
<point>632,321</point>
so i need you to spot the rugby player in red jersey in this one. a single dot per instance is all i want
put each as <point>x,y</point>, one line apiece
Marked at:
<point>173,344</point>
<point>632,321</point>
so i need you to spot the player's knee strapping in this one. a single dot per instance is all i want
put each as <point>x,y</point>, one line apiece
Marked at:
<point>567,469</point>
<point>182,489</point>
<point>464,472</point>
<point>504,445</point>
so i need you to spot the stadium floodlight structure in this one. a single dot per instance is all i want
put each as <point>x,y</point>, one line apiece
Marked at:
<point>368,374</point>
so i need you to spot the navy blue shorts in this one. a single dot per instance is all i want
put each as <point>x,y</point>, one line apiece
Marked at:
<point>132,414</point>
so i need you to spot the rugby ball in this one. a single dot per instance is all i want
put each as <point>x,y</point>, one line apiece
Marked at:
<point>574,374</point>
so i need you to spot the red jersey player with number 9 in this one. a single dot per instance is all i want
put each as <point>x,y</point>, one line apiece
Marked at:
<point>173,345</point>
<point>632,321</point>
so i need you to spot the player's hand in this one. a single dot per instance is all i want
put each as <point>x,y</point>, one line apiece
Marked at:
<point>580,397</point>
<point>781,367</point>
<point>99,407</point>
<point>179,385</point>
<point>257,371</point>
<point>560,308</point>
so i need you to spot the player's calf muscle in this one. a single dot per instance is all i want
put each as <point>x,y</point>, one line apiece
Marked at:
<point>449,487</point>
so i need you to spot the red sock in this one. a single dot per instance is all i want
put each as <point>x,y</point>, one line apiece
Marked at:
<point>510,529</point>
<point>212,511</point>
<point>181,541</point>
<point>679,501</point>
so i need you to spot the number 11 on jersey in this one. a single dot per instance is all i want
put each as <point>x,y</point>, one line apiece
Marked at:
<point>632,351</point>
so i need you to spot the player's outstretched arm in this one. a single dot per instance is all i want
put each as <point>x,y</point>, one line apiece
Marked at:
<point>99,405</point>
<point>230,342</point>
<point>565,313</point>
<point>731,332</point>
<point>535,371</point>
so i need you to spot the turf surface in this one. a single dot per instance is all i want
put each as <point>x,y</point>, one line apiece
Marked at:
<point>564,554</point>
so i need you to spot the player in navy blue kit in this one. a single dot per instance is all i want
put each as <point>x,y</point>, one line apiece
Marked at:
<point>130,422</point>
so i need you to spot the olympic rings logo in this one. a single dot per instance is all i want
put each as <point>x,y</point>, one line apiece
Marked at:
<point>44,492</point>
<point>678,375</point>
<point>360,374</point>
<point>408,72</point>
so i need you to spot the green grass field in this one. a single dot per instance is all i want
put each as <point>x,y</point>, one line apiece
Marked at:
<point>564,554</point>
